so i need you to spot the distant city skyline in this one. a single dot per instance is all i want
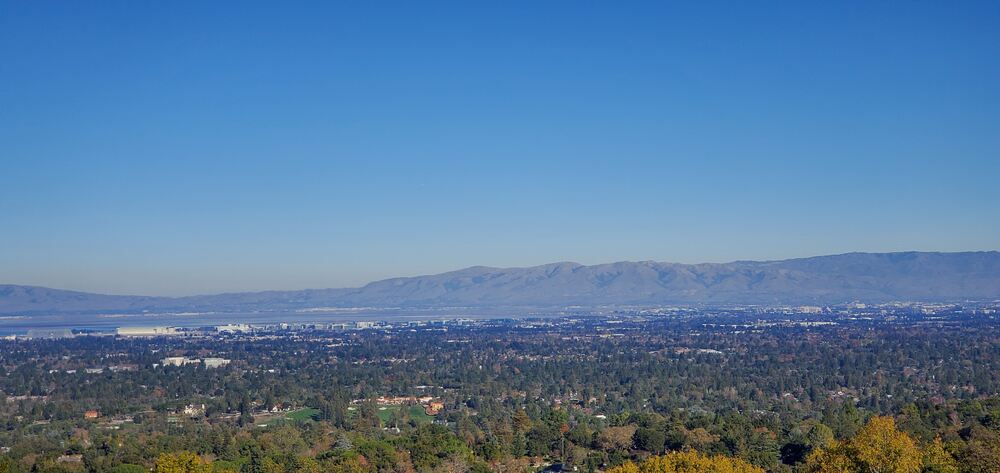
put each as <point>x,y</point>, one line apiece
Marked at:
<point>185,148</point>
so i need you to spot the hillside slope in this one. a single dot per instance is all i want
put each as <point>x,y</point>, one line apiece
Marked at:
<point>869,277</point>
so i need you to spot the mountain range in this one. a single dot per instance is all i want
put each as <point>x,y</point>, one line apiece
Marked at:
<point>864,277</point>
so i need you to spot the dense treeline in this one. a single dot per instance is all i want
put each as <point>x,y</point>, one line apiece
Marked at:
<point>774,396</point>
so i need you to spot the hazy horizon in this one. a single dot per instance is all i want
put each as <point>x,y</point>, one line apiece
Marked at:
<point>447,270</point>
<point>177,149</point>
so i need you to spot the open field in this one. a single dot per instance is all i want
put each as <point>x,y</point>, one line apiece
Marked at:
<point>300,415</point>
<point>415,412</point>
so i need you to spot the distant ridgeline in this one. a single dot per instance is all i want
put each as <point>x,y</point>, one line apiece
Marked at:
<point>864,277</point>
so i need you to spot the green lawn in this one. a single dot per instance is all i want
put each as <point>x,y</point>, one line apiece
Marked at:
<point>416,413</point>
<point>302,415</point>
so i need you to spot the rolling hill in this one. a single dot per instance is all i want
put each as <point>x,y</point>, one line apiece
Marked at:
<point>867,277</point>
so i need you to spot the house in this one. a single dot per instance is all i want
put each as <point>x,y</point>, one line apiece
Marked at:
<point>91,414</point>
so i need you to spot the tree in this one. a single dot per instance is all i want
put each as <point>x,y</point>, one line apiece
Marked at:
<point>699,438</point>
<point>982,451</point>
<point>617,438</point>
<point>181,462</point>
<point>429,445</point>
<point>937,460</point>
<point>819,436</point>
<point>881,448</point>
<point>687,462</point>
<point>6,465</point>
<point>541,438</point>
<point>650,440</point>
<point>878,448</point>
<point>759,448</point>
<point>831,460</point>
<point>343,443</point>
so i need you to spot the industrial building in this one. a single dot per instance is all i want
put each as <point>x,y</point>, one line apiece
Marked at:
<point>146,331</point>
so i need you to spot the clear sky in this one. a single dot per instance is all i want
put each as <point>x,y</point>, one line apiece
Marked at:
<point>196,147</point>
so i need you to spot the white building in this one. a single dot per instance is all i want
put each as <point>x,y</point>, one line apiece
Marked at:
<point>177,361</point>
<point>50,333</point>
<point>215,362</point>
<point>146,331</point>
<point>232,328</point>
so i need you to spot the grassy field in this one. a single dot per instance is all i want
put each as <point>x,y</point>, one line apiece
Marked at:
<point>416,413</point>
<point>302,415</point>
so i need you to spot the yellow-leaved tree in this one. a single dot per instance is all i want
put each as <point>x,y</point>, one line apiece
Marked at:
<point>687,462</point>
<point>878,448</point>
<point>181,462</point>
<point>937,459</point>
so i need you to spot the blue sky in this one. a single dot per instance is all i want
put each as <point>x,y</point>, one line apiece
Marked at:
<point>181,148</point>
